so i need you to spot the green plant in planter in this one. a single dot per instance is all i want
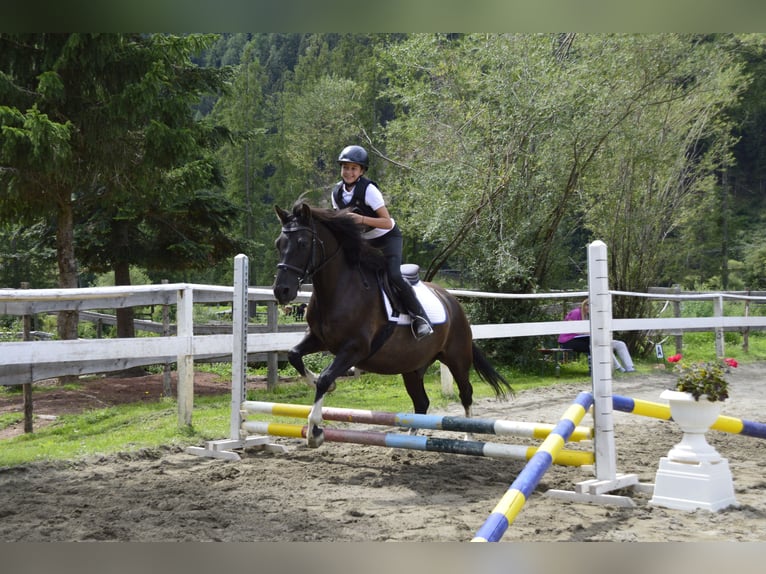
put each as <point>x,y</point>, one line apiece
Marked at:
<point>703,378</point>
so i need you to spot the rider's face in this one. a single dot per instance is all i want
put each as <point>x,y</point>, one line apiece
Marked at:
<point>350,172</point>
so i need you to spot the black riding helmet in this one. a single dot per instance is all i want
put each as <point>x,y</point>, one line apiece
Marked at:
<point>354,154</point>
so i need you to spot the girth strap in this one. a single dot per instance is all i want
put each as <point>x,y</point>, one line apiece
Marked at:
<point>380,338</point>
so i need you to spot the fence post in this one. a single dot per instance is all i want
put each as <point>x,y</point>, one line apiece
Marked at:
<point>677,314</point>
<point>448,389</point>
<point>601,360</point>
<point>746,330</point>
<point>166,389</point>
<point>719,340</point>
<point>239,316</point>
<point>607,479</point>
<point>27,387</point>
<point>272,358</point>
<point>185,333</point>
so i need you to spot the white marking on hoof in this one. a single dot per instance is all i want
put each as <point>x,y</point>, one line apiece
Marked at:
<point>314,433</point>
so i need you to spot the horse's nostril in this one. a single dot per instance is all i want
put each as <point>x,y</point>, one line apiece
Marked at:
<point>282,293</point>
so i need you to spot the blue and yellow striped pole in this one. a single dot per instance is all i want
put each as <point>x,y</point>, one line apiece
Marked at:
<point>509,506</point>
<point>660,411</point>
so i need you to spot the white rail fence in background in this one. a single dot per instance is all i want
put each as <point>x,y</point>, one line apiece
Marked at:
<point>30,361</point>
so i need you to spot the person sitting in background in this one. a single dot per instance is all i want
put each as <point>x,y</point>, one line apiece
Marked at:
<point>580,342</point>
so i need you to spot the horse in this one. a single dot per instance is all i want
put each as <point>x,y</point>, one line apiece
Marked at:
<point>347,316</point>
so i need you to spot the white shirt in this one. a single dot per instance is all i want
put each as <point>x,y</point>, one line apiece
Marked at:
<point>372,197</point>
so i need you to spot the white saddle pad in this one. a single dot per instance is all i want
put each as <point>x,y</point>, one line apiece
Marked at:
<point>432,305</point>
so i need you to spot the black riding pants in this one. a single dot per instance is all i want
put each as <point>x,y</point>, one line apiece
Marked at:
<point>578,345</point>
<point>391,246</point>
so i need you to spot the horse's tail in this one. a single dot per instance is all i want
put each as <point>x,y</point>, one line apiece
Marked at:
<point>489,375</point>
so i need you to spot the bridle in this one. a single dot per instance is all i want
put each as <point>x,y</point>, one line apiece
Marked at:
<point>316,245</point>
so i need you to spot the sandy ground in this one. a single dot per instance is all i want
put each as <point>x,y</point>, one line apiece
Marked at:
<point>351,493</point>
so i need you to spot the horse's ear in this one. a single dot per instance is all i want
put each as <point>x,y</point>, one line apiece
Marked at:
<point>306,211</point>
<point>281,214</point>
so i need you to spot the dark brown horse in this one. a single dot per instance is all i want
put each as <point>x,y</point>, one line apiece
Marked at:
<point>347,315</point>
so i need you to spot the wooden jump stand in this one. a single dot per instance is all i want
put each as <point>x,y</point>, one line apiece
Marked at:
<point>224,448</point>
<point>607,479</point>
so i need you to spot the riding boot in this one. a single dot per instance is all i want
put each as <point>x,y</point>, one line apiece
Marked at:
<point>421,325</point>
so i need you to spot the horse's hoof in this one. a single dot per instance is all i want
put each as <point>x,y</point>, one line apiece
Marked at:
<point>315,438</point>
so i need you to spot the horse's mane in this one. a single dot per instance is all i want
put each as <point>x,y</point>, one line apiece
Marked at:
<point>356,248</point>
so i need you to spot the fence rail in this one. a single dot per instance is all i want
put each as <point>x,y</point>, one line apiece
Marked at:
<point>29,361</point>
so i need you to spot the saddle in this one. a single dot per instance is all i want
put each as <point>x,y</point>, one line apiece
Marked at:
<point>397,311</point>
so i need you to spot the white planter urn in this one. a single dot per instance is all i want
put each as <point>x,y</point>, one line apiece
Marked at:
<point>695,417</point>
<point>693,475</point>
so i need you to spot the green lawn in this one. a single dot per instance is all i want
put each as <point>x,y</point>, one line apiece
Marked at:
<point>128,428</point>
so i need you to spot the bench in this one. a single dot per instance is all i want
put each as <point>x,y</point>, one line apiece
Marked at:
<point>554,356</point>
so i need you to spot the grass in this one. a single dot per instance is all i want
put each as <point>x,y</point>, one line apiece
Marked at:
<point>99,432</point>
<point>134,427</point>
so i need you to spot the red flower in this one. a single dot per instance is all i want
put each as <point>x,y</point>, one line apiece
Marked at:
<point>675,358</point>
<point>731,362</point>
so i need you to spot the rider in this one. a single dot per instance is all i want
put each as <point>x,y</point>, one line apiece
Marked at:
<point>369,209</point>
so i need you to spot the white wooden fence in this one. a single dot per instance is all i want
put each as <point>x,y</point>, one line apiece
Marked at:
<point>30,361</point>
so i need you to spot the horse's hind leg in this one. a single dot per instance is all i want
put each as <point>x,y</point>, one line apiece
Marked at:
<point>413,382</point>
<point>462,378</point>
<point>465,390</point>
<point>460,370</point>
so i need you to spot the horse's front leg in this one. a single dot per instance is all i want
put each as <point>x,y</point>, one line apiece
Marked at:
<point>324,384</point>
<point>308,345</point>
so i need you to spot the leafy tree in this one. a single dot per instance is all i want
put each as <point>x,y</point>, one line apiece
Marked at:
<point>27,254</point>
<point>515,145</point>
<point>103,124</point>
<point>508,137</point>
<point>248,160</point>
<point>38,146</point>
<point>331,100</point>
<point>291,123</point>
<point>656,175</point>
<point>744,196</point>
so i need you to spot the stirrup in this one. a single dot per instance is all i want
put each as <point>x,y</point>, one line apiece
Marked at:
<point>423,328</point>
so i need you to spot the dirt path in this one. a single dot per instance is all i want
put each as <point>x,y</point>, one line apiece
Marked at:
<point>345,492</point>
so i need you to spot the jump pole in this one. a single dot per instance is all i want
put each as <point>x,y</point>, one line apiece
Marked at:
<point>660,411</point>
<point>417,421</point>
<point>223,448</point>
<point>418,442</point>
<point>509,506</point>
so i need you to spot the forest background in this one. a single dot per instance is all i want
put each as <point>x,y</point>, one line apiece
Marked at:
<point>142,157</point>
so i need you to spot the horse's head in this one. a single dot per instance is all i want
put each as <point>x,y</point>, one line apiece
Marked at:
<point>311,238</point>
<point>296,245</point>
